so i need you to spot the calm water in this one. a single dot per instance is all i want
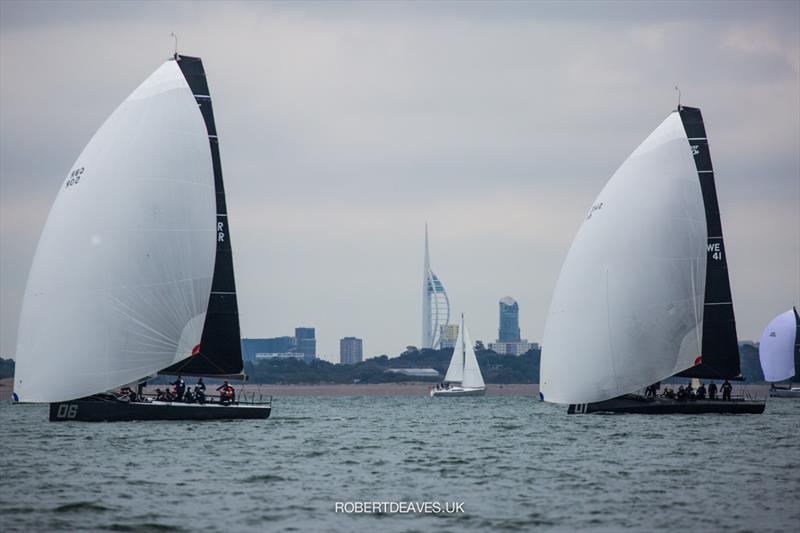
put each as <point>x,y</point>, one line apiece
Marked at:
<point>518,465</point>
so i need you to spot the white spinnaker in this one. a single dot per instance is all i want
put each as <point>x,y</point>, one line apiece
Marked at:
<point>455,372</point>
<point>472,372</point>
<point>628,306</point>
<point>121,277</point>
<point>776,349</point>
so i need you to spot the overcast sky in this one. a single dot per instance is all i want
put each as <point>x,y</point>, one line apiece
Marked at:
<point>345,126</point>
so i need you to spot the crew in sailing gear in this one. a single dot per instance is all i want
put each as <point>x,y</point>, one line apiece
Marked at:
<point>726,390</point>
<point>188,397</point>
<point>128,393</point>
<point>180,387</point>
<point>690,392</point>
<point>650,392</point>
<point>199,394</point>
<point>712,391</point>
<point>200,386</point>
<point>160,396</point>
<point>226,394</point>
<point>701,392</point>
<point>682,393</point>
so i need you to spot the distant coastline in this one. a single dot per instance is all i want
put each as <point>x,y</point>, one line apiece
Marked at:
<point>370,389</point>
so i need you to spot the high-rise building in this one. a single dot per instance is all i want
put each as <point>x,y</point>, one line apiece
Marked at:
<point>509,320</point>
<point>350,351</point>
<point>509,340</point>
<point>306,341</point>
<point>435,304</point>
<point>448,335</point>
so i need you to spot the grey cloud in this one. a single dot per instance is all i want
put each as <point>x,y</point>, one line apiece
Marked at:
<point>345,125</point>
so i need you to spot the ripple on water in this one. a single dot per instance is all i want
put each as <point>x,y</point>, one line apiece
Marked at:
<point>518,465</point>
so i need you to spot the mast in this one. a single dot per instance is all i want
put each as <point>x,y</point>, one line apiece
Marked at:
<point>463,349</point>
<point>426,296</point>
<point>219,352</point>
<point>720,346</point>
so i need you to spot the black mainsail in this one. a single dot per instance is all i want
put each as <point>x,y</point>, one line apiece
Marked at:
<point>720,345</point>
<point>220,351</point>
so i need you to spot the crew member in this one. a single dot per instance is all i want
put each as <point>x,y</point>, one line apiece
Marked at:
<point>726,390</point>
<point>701,392</point>
<point>180,387</point>
<point>225,393</point>
<point>712,391</point>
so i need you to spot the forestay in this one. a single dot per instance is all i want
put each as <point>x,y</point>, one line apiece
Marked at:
<point>120,281</point>
<point>777,347</point>
<point>628,306</point>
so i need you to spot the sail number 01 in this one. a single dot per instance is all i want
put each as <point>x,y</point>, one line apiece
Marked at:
<point>74,177</point>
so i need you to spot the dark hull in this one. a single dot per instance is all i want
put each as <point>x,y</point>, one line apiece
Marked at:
<point>663,406</point>
<point>117,411</point>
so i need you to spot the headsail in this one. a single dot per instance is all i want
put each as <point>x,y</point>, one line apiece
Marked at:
<point>779,349</point>
<point>120,280</point>
<point>472,372</point>
<point>627,310</point>
<point>220,350</point>
<point>720,348</point>
<point>455,372</point>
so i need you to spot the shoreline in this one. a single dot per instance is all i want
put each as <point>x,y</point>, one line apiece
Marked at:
<point>366,389</point>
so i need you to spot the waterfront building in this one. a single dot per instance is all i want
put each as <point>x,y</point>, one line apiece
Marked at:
<point>425,373</point>
<point>448,335</point>
<point>435,304</point>
<point>303,343</point>
<point>251,347</point>
<point>351,350</point>
<point>285,355</point>
<point>306,341</point>
<point>512,348</point>
<point>509,320</point>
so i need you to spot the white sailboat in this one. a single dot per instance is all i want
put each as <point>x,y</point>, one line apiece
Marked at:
<point>133,274</point>
<point>644,292</point>
<point>463,376</point>
<point>779,352</point>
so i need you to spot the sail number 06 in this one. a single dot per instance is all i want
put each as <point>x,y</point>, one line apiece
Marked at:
<point>67,410</point>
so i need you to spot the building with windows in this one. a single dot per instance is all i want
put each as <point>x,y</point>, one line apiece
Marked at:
<point>509,320</point>
<point>306,341</point>
<point>509,341</point>
<point>448,335</point>
<point>285,356</point>
<point>435,304</point>
<point>303,343</point>
<point>513,348</point>
<point>351,351</point>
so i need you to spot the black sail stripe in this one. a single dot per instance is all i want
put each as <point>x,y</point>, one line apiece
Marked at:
<point>220,345</point>
<point>720,345</point>
<point>796,346</point>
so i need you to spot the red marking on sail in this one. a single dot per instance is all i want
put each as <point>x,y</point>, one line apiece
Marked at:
<point>698,360</point>
<point>196,350</point>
